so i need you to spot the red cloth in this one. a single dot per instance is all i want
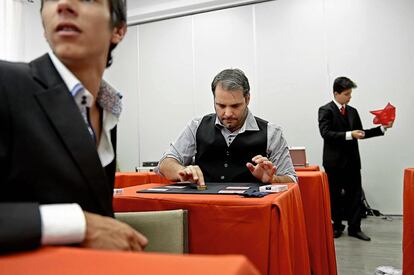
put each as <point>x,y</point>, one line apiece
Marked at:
<point>408,222</point>
<point>384,116</point>
<point>125,179</point>
<point>269,231</point>
<point>69,261</point>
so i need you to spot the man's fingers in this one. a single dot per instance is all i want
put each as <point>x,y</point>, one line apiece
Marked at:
<point>259,159</point>
<point>138,242</point>
<point>192,173</point>
<point>250,167</point>
<point>256,158</point>
<point>201,179</point>
<point>142,240</point>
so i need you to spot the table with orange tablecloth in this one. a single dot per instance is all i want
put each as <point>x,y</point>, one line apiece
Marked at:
<point>270,231</point>
<point>316,204</point>
<point>66,260</point>
<point>408,222</point>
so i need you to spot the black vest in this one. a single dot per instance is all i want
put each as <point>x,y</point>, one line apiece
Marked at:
<point>221,163</point>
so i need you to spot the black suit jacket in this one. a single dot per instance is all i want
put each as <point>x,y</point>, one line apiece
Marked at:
<point>338,152</point>
<point>46,152</point>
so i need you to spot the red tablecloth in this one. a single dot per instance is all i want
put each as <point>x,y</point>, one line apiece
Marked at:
<point>69,261</point>
<point>316,205</point>
<point>126,179</point>
<point>270,231</point>
<point>307,168</point>
<point>408,222</point>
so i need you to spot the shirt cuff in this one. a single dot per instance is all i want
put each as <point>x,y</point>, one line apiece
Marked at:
<point>383,129</point>
<point>348,135</point>
<point>62,224</point>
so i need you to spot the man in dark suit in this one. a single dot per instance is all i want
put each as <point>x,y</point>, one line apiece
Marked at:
<point>341,127</point>
<point>58,134</point>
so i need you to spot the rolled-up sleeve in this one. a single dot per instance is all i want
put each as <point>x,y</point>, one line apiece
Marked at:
<point>278,152</point>
<point>184,148</point>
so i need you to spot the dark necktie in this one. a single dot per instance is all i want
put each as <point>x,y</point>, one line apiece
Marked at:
<point>342,110</point>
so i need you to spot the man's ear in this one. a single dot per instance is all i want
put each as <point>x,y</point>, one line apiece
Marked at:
<point>247,97</point>
<point>118,33</point>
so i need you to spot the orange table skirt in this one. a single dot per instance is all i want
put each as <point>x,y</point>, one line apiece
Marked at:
<point>408,222</point>
<point>269,231</point>
<point>65,260</point>
<point>316,205</point>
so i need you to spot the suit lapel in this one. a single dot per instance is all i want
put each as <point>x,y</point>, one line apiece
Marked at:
<point>64,115</point>
<point>342,119</point>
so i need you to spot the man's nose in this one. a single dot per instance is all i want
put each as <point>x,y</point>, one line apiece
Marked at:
<point>66,7</point>
<point>228,111</point>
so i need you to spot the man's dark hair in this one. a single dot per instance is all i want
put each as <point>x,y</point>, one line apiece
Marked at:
<point>343,83</point>
<point>231,80</point>
<point>118,18</point>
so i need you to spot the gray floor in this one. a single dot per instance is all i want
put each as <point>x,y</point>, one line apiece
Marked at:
<point>354,256</point>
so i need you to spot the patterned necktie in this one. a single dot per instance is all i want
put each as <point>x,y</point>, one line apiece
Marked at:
<point>342,110</point>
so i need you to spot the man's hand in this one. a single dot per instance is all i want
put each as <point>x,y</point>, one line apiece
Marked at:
<point>358,134</point>
<point>264,170</point>
<point>389,125</point>
<point>108,233</point>
<point>191,173</point>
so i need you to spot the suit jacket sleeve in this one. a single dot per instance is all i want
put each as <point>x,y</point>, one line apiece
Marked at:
<point>20,223</point>
<point>373,132</point>
<point>20,226</point>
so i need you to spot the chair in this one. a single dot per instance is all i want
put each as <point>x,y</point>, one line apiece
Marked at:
<point>166,231</point>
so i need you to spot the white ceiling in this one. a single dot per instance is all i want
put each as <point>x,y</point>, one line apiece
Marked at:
<point>142,11</point>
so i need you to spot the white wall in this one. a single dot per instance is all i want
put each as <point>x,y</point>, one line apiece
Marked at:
<point>35,44</point>
<point>291,51</point>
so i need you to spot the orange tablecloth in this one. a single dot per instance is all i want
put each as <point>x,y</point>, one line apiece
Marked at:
<point>126,179</point>
<point>408,222</point>
<point>270,231</point>
<point>316,204</point>
<point>65,260</point>
<point>307,168</point>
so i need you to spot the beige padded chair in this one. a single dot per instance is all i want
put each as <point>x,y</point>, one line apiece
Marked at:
<point>166,231</point>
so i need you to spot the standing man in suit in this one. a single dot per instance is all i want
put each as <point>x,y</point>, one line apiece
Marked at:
<point>340,127</point>
<point>58,134</point>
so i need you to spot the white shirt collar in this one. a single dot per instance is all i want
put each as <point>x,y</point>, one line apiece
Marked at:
<point>68,77</point>
<point>109,100</point>
<point>338,104</point>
